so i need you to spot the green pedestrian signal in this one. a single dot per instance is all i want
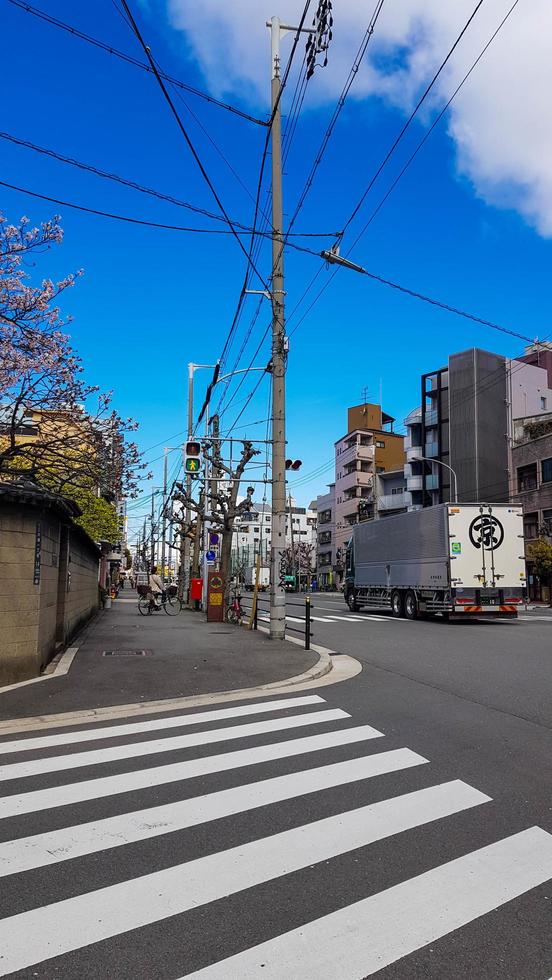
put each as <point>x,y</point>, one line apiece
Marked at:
<point>192,458</point>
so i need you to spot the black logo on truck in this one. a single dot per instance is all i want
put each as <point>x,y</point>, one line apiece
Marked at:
<point>486,532</point>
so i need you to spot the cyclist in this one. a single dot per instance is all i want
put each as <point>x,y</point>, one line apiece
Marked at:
<point>156,586</point>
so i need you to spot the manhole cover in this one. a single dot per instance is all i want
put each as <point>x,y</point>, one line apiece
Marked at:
<point>127,653</point>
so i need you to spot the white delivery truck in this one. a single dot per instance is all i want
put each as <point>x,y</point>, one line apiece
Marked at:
<point>264,577</point>
<point>454,559</point>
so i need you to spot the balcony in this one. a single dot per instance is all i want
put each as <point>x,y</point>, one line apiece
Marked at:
<point>415,482</point>
<point>355,452</point>
<point>432,481</point>
<point>393,501</point>
<point>414,452</point>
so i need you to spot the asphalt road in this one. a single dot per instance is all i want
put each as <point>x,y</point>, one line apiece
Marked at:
<point>397,825</point>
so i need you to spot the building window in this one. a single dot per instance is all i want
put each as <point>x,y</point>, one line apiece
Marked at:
<point>547,522</point>
<point>395,490</point>
<point>527,477</point>
<point>543,403</point>
<point>255,530</point>
<point>531,525</point>
<point>547,470</point>
<point>380,445</point>
<point>380,469</point>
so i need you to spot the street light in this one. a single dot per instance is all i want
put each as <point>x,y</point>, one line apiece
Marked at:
<point>426,459</point>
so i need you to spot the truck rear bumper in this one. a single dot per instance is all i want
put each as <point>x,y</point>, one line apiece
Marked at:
<point>486,610</point>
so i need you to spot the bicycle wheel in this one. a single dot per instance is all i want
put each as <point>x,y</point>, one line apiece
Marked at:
<point>172,605</point>
<point>144,606</point>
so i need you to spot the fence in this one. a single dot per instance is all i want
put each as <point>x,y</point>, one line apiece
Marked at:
<point>261,614</point>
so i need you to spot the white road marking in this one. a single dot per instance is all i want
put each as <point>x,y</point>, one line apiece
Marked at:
<point>31,937</point>
<point>363,938</point>
<point>52,847</point>
<point>319,619</point>
<point>127,782</point>
<point>60,763</point>
<point>294,619</point>
<point>179,721</point>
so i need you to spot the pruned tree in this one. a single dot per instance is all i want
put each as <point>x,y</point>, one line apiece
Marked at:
<point>54,426</point>
<point>539,553</point>
<point>221,506</point>
<point>299,559</point>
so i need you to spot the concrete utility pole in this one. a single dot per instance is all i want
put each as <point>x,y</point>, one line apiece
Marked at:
<point>184,577</point>
<point>279,344</point>
<point>164,520</point>
<point>277,588</point>
<point>152,539</point>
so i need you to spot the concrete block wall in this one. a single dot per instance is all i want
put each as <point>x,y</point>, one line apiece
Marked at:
<point>81,599</point>
<point>37,619</point>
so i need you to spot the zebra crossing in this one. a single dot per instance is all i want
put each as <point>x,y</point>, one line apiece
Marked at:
<point>101,870</point>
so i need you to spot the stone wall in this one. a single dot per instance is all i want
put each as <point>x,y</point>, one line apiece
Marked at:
<point>48,579</point>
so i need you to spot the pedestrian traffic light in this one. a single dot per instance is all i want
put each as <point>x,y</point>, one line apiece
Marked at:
<point>192,460</point>
<point>293,464</point>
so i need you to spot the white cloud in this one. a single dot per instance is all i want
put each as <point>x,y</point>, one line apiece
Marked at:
<point>500,121</point>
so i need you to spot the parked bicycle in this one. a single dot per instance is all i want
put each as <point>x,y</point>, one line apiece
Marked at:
<point>171,604</point>
<point>235,613</point>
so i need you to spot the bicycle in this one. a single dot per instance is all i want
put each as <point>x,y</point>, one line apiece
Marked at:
<point>235,612</point>
<point>147,605</point>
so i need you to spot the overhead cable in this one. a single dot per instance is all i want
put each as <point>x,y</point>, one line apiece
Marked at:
<point>104,46</point>
<point>186,136</point>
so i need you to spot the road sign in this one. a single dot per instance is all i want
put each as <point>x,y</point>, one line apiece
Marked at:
<point>210,556</point>
<point>213,538</point>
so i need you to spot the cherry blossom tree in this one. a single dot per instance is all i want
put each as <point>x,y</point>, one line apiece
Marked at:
<point>54,426</point>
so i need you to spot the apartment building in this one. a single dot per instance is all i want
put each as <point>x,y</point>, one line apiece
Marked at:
<point>532,469</point>
<point>465,421</point>
<point>325,551</point>
<point>253,531</point>
<point>370,447</point>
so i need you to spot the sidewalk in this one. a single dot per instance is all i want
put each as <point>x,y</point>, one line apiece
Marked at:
<point>185,656</point>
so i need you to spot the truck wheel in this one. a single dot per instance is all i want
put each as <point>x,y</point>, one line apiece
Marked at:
<point>397,604</point>
<point>410,605</point>
<point>352,603</point>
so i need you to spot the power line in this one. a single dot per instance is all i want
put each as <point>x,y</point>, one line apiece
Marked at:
<point>394,184</point>
<point>411,117</point>
<point>339,106</point>
<point>435,122</point>
<point>109,49</point>
<point>119,217</point>
<point>250,262</point>
<point>129,219</point>
<point>186,136</point>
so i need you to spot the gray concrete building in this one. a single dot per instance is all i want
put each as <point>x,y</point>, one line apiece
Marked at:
<point>465,421</point>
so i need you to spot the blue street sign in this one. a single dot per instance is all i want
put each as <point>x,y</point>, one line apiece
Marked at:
<point>210,556</point>
<point>213,538</point>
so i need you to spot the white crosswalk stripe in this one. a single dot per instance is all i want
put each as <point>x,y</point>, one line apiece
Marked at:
<point>18,770</point>
<point>156,724</point>
<point>363,938</point>
<point>346,943</point>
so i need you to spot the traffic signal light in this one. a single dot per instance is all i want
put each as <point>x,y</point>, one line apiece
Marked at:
<point>293,464</point>
<point>192,461</point>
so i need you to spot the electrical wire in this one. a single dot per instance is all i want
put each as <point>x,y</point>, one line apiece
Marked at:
<point>109,49</point>
<point>129,219</point>
<point>187,138</point>
<point>411,118</point>
<point>435,122</point>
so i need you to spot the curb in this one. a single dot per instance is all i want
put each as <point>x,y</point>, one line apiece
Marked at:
<point>317,675</point>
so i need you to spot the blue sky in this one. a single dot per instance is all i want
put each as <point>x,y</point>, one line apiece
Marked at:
<point>153,300</point>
